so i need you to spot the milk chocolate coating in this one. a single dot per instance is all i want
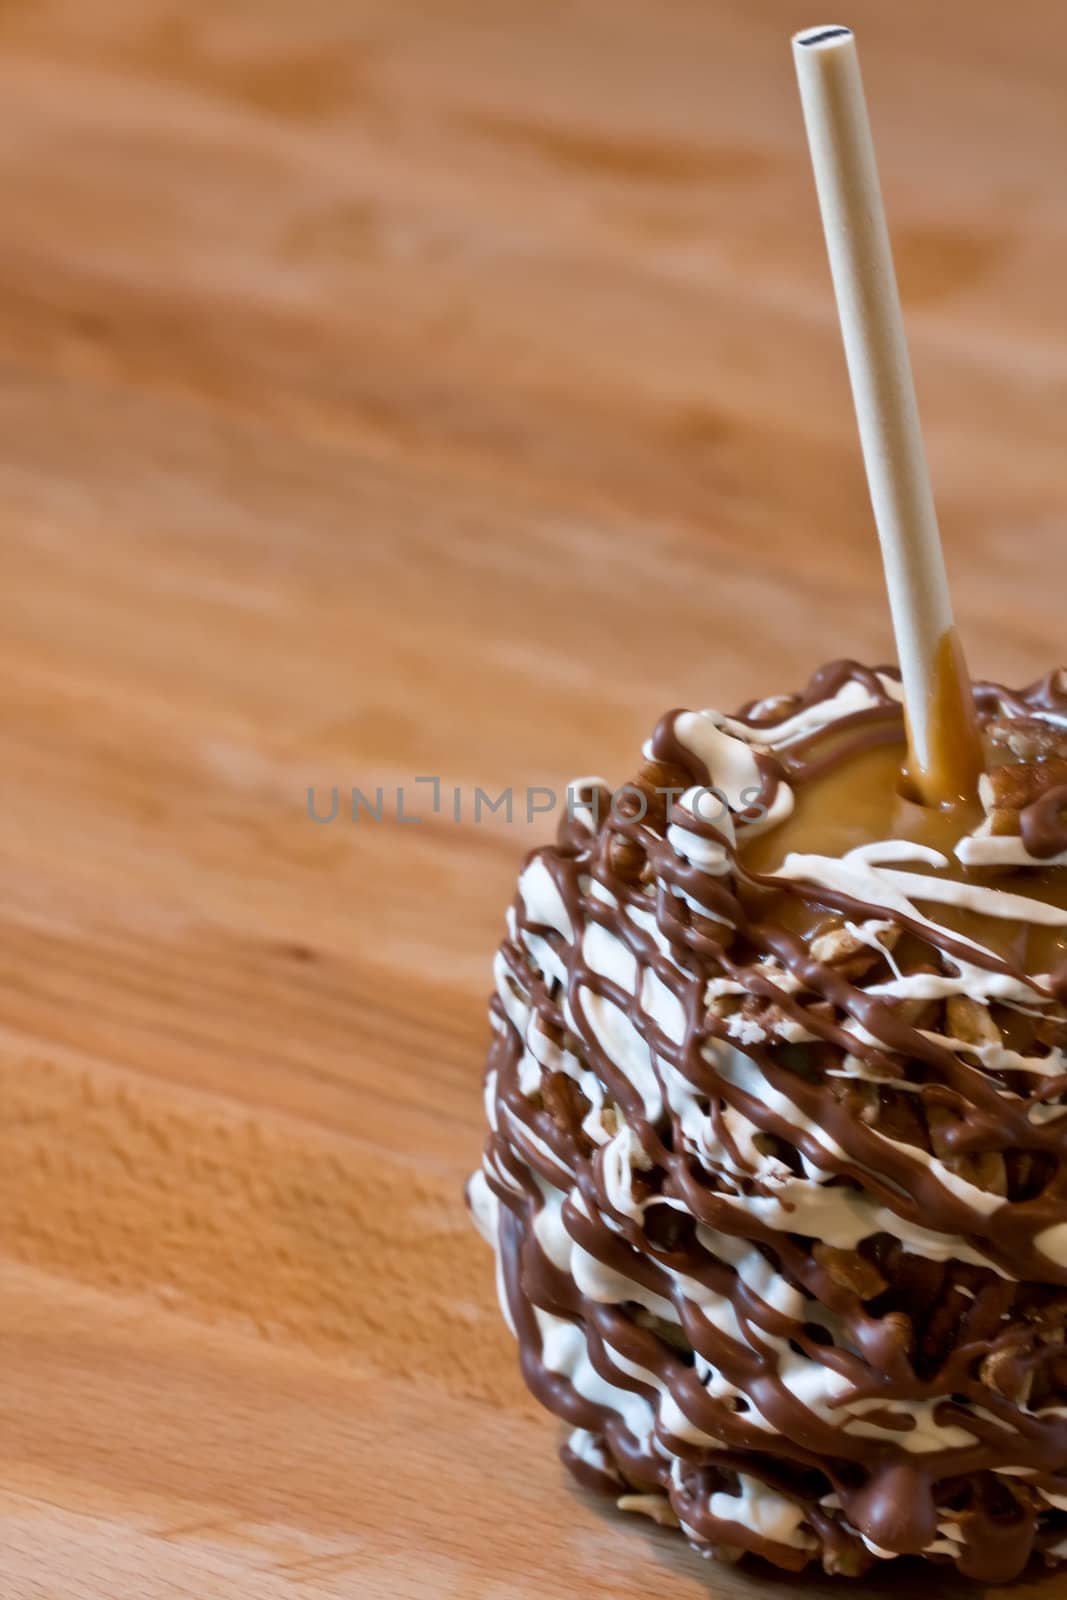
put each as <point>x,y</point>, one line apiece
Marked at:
<point>684,1052</point>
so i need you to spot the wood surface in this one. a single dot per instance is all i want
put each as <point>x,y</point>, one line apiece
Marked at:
<point>395,388</point>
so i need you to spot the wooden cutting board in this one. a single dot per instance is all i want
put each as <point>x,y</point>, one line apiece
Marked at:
<point>399,388</point>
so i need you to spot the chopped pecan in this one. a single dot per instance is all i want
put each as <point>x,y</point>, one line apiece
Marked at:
<point>849,1270</point>
<point>859,1097</point>
<point>1004,1371</point>
<point>1026,738</point>
<point>662,783</point>
<point>917,1012</point>
<point>835,944</point>
<point>724,1005</point>
<point>970,1021</point>
<point>550,1029</point>
<point>849,1560</point>
<point>755,1020</point>
<point>758,1020</point>
<point>656,1506</point>
<point>609,1120</point>
<point>670,1332</point>
<point>900,1329</point>
<point>568,1106</point>
<point>1007,790</point>
<point>841,947</point>
<point>984,1168</point>
<point>626,858</point>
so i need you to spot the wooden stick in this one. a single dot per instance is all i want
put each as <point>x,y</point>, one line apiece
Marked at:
<point>944,753</point>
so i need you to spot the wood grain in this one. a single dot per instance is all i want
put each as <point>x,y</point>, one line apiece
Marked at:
<point>397,387</point>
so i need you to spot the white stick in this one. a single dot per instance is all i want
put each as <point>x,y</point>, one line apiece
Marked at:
<point>861,262</point>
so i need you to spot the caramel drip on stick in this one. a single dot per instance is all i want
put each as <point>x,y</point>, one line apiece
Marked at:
<point>944,754</point>
<point>954,759</point>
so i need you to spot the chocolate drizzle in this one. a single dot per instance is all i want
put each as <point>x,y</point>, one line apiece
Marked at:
<point>788,1251</point>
